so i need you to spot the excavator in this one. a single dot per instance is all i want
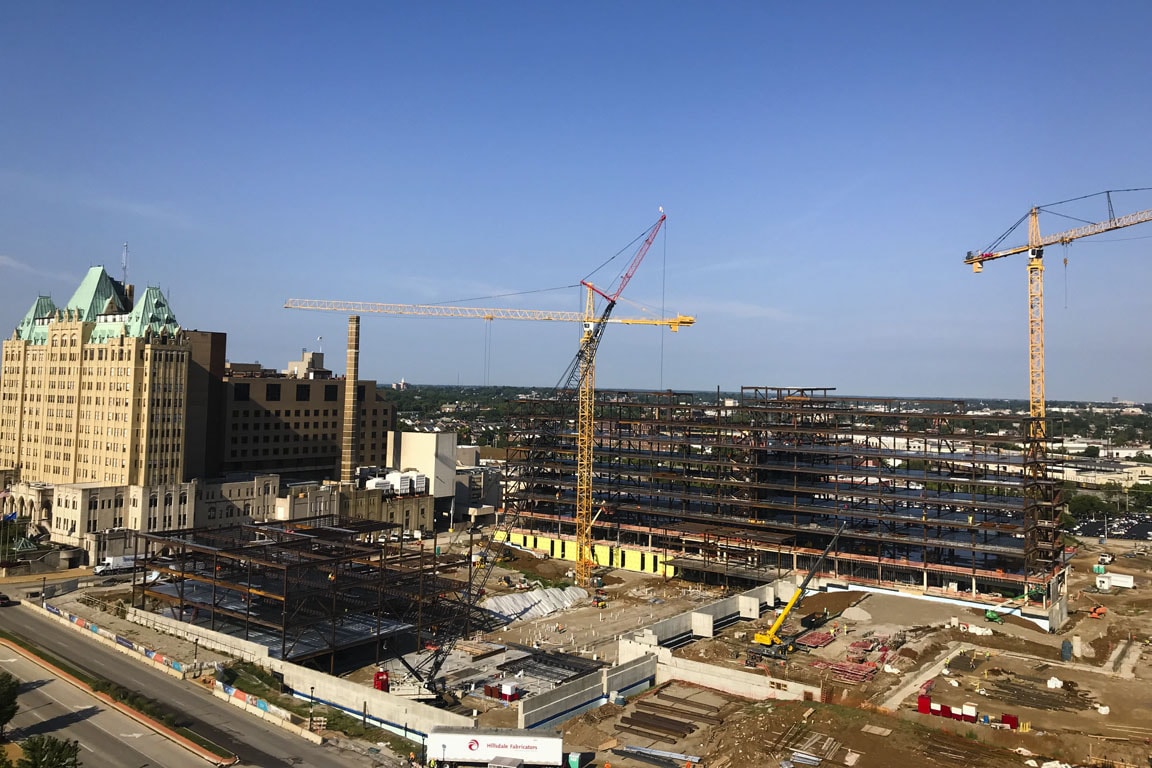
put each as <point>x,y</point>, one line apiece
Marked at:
<point>774,646</point>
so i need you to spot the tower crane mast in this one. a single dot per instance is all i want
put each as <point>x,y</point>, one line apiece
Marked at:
<point>1041,533</point>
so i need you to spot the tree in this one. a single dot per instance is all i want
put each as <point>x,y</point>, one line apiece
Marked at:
<point>49,752</point>
<point>1086,505</point>
<point>9,690</point>
<point>1092,452</point>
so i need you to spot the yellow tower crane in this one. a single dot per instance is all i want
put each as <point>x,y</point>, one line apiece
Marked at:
<point>1037,430</point>
<point>476,313</point>
<point>582,373</point>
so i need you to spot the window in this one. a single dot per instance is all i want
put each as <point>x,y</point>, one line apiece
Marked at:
<point>273,392</point>
<point>240,392</point>
<point>331,394</point>
<point>303,393</point>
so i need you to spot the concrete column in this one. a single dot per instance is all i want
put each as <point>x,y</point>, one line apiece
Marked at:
<point>349,443</point>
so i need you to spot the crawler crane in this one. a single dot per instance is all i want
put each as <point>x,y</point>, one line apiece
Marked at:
<point>578,381</point>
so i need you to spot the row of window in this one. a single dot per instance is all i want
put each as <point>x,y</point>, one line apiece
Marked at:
<point>242,392</point>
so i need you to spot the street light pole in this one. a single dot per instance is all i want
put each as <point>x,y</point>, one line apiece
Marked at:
<point>311,705</point>
<point>43,586</point>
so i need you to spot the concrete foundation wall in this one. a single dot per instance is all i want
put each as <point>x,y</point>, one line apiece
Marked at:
<point>585,693</point>
<point>402,716</point>
<point>398,714</point>
<point>749,685</point>
<point>631,677</point>
<point>562,702</point>
<point>700,622</point>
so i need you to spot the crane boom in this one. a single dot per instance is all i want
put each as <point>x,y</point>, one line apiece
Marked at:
<point>633,265</point>
<point>1061,238</point>
<point>578,381</point>
<point>586,403</point>
<point>477,313</point>
<point>772,636</point>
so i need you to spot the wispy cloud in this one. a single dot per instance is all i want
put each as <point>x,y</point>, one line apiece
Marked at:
<point>81,192</point>
<point>15,265</point>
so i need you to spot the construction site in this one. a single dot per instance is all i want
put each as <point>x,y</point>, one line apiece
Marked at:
<point>741,491</point>
<point>762,577</point>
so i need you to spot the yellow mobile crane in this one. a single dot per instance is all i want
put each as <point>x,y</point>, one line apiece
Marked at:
<point>779,647</point>
<point>581,375</point>
<point>1037,430</point>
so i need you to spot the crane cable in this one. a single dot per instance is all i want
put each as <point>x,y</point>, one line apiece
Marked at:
<point>1048,209</point>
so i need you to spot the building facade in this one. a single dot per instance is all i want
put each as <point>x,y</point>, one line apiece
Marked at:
<point>96,390</point>
<point>291,422</point>
<point>102,520</point>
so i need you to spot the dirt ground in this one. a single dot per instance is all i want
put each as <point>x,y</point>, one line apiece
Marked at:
<point>1099,707</point>
<point>1007,672</point>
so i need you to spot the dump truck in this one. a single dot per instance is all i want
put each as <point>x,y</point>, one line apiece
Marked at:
<point>483,746</point>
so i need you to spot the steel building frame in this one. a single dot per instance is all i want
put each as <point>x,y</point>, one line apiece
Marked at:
<point>307,588</point>
<point>743,489</point>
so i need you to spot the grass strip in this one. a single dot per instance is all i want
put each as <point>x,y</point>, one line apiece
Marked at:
<point>150,708</point>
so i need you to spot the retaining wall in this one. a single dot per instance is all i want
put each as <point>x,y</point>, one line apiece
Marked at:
<point>585,693</point>
<point>400,715</point>
<point>124,645</point>
<point>749,685</point>
<point>233,646</point>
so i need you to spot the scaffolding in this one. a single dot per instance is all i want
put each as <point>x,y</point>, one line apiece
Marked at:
<point>934,495</point>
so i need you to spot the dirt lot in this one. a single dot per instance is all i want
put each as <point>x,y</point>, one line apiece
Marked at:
<point>1099,705</point>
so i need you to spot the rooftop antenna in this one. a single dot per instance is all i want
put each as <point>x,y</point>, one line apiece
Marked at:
<point>124,265</point>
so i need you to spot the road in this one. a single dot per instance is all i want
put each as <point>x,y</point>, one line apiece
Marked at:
<point>253,741</point>
<point>108,738</point>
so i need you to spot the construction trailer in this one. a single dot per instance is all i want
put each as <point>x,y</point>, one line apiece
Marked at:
<point>932,495</point>
<point>494,746</point>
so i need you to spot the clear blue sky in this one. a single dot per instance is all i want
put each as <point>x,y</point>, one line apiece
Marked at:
<point>824,168</point>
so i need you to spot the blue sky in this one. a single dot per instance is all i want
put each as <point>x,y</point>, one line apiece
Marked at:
<point>824,168</point>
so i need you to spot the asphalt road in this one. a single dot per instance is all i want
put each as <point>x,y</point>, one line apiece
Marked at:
<point>253,741</point>
<point>108,738</point>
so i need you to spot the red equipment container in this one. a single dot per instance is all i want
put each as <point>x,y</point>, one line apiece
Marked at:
<point>380,680</point>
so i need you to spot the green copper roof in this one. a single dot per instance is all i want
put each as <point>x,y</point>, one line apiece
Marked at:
<point>42,307</point>
<point>97,295</point>
<point>152,313</point>
<point>102,301</point>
